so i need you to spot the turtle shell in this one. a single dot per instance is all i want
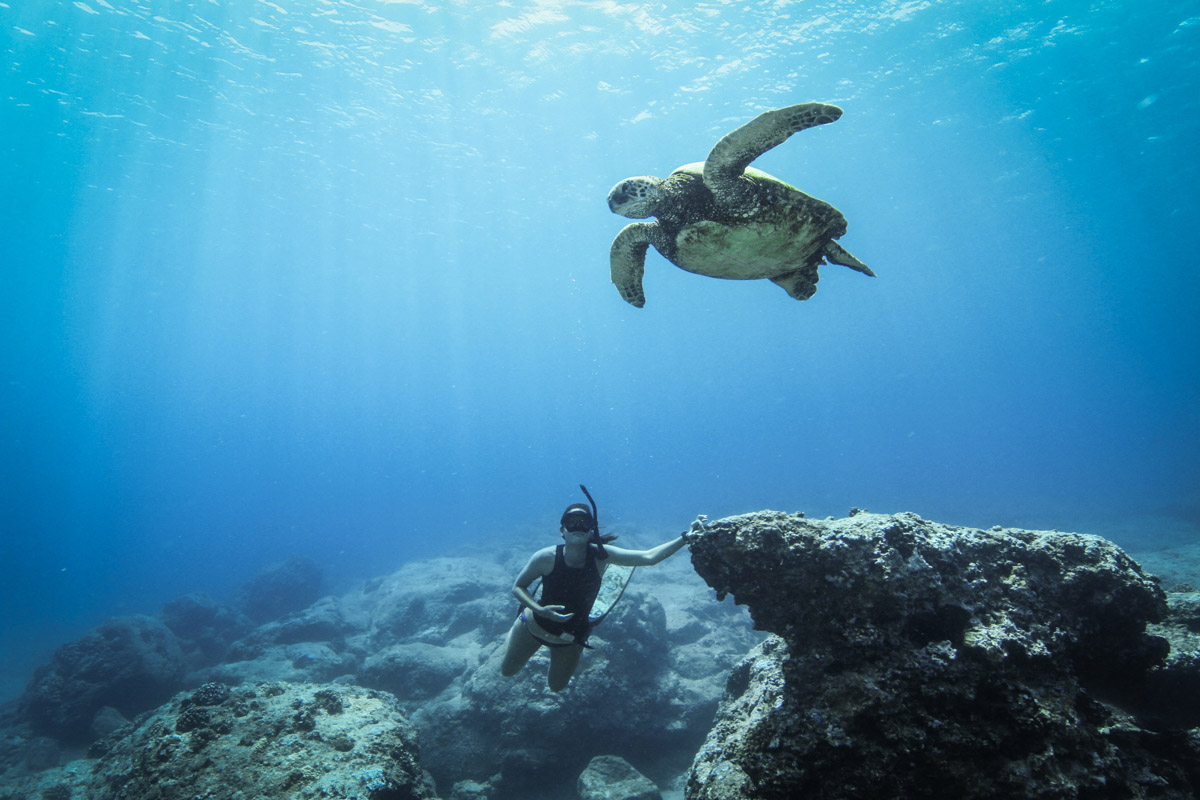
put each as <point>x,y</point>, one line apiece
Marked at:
<point>769,229</point>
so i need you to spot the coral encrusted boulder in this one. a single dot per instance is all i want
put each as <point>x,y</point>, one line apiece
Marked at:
<point>127,663</point>
<point>299,741</point>
<point>914,659</point>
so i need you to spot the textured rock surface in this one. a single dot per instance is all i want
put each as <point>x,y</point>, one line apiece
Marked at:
<point>402,609</point>
<point>204,627</point>
<point>923,660</point>
<point>128,663</point>
<point>614,778</point>
<point>1172,696</point>
<point>290,585</point>
<point>271,740</point>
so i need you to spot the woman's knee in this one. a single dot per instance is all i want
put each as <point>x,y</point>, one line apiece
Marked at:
<point>563,664</point>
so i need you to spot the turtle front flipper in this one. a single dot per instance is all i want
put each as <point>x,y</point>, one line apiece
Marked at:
<point>836,254</point>
<point>627,259</point>
<point>730,157</point>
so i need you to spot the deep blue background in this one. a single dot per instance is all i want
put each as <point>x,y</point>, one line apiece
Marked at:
<point>331,279</point>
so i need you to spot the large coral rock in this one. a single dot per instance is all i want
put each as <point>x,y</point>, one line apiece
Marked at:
<point>204,627</point>
<point>416,671</point>
<point>614,778</point>
<point>290,585</point>
<point>129,663</point>
<point>298,741</point>
<point>439,600</point>
<point>922,660</point>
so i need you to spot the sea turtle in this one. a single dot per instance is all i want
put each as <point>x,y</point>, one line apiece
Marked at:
<point>725,219</point>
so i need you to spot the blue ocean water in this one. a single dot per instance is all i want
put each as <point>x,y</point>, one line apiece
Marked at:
<point>331,279</point>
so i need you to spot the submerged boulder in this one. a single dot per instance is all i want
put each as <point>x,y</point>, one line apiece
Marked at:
<point>439,600</point>
<point>914,659</point>
<point>298,741</point>
<point>129,663</point>
<point>291,585</point>
<point>415,671</point>
<point>1172,697</point>
<point>204,627</point>
<point>614,778</point>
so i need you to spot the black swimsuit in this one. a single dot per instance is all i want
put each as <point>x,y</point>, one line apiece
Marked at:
<point>573,588</point>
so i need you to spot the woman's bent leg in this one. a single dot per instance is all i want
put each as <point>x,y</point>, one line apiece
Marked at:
<point>563,661</point>
<point>519,647</point>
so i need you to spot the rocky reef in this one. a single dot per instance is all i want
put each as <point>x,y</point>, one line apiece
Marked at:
<point>418,649</point>
<point>906,659</point>
<point>912,659</point>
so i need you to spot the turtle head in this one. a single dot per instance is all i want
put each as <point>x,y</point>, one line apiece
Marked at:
<point>637,197</point>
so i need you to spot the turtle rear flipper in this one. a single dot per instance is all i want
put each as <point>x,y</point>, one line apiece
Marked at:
<point>836,254</point>
<point>729,157</point>
<point>801,284</point>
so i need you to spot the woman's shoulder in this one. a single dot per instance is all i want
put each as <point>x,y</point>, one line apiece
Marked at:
<point>546,554</point>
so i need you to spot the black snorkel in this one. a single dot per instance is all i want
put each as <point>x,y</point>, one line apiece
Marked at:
<point>596,539</point>
<point>595,518</point>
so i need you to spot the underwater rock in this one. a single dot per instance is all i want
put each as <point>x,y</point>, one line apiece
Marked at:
<point>320,622</point>
<point>305,646</point>
<point>282,588</point>
<point>416,671</point>
<point>271,740</point>
<point>439,600</point>
<point>23,753</point>
<point>614,778</point>
<point>129,663</point>
<point>305,662</point>
<point>914,659</point>
<point>1171,696</point>
<point>470,790</point>
<point>107,720</point>
<point>204,627</point>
